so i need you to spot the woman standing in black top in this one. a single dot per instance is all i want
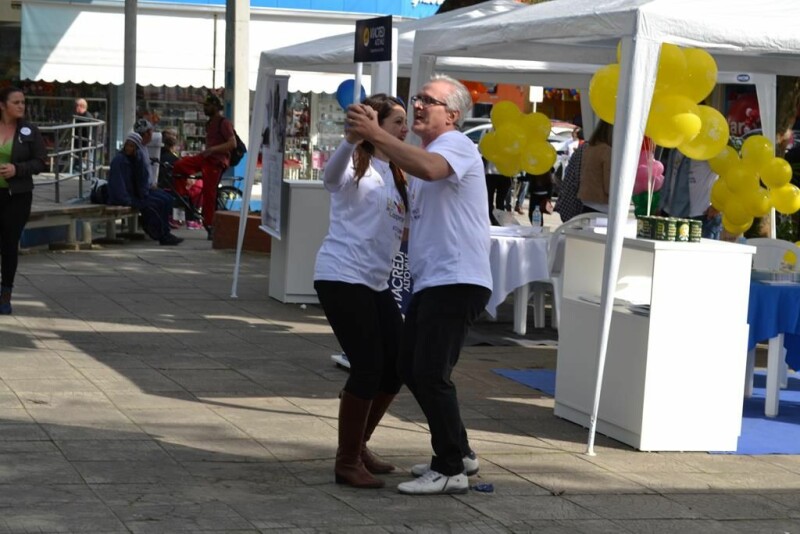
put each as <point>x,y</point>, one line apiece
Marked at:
<point>22,154</point>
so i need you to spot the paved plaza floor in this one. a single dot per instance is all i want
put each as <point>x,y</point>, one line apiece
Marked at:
<point>137,396</point>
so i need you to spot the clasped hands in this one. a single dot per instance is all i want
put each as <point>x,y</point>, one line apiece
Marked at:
<point>8,170</point>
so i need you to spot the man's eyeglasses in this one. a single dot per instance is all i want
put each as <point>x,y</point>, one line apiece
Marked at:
<point>426,101</point>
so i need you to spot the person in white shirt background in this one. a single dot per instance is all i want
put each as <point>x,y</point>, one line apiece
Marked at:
<point>448,256</point>
<point>367,221</point>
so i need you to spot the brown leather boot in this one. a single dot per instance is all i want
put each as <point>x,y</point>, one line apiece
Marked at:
<point>379,406</point>
<point>349,468</point>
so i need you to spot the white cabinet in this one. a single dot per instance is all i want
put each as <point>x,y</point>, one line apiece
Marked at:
<point>674,379</point>
<point>304,224</point>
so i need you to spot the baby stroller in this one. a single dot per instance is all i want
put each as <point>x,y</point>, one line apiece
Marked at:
<point>227,193</point>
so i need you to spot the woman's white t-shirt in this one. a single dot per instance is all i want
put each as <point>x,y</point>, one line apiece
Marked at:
<point>366,223</point>
<point>448,240</point>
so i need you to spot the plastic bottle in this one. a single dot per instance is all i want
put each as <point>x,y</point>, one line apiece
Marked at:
<point>536,217</point>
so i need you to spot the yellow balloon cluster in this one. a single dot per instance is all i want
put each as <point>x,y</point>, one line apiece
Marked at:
<point>685,77</point>
<point>739,194</point>
<point>518,141</point>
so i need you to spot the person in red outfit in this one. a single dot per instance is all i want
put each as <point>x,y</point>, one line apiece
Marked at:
<point>212,162</point>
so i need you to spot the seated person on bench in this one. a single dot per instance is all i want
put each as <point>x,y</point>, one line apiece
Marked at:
<point>128,186</point>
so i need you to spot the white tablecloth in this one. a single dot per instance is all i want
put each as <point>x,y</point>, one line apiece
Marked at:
<point>516,259</point>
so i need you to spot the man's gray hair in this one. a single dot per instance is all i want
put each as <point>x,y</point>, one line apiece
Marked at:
<point>459,99</point>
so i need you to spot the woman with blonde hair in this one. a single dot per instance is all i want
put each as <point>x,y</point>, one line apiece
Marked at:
<point>22,154</point>
<point>367,221</point>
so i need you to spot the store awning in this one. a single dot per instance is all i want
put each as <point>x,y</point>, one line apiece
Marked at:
<point>176,46</point>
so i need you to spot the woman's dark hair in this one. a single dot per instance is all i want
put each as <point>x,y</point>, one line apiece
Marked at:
<point>383,104</point>
<point>602,134</point>
<point>5,92</point>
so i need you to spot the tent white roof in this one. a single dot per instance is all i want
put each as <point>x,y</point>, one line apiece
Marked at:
<point>743,36</point>
<point>334,54</point>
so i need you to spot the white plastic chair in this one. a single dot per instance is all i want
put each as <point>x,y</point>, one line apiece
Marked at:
<point>555,264</point>
<point>770,253</point>
<point>769,256</point>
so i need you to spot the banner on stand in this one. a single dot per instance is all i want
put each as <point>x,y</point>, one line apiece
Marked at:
<point>273,145</point>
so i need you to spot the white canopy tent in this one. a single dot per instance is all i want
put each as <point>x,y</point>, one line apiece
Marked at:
<point>742,36</point>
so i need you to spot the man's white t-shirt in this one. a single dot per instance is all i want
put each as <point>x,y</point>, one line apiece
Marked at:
<point>449,239</point>
<point>366,223</point>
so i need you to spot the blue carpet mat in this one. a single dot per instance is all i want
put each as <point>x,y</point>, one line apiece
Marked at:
<point>760,434</point>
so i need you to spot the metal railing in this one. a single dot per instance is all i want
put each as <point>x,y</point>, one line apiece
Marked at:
<point>76,153</point>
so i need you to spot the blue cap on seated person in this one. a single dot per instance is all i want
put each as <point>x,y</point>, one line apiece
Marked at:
<point>142,126</point>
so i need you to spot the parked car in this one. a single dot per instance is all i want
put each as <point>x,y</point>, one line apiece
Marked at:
<point>560,137</point>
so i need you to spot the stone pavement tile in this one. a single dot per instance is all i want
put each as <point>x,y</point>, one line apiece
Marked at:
<point>311,508</point>
<point>752,482</point>
<point>678,526</point>
<point>790,463</point>
<point>614,506</point>
<point>183,360</point>
<point>18,495</point>
<point>56,517</point>
<point>271,474</point>
<point>114,450</point>
<point>728,463</point>
<point>632,461</point>
<point>221,381</point>
<point>215,450</point>
<point>388,507</point>
<point>763,526</point>
<point>732,506</point>
<point>192,422</point>
<point>544,462</point>
<point>9,400</point>
<point>514,508</point>
<point>27,365</point>
<point>667,482</point>
<point>189,517</point>
<point>134,379</point>
<point>28,386</point>
<point>583,482</point>
<point>21,431</point>
<point>92,358</point>
<point>291,448</point>
<point>37,468</point>
<point>574,526</point>
<point>138,400</point>
<point>146,471</point>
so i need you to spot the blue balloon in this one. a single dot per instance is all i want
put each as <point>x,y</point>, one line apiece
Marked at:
<point>344,93</point>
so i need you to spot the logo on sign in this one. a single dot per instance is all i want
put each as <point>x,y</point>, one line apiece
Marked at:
<point>742,78</point>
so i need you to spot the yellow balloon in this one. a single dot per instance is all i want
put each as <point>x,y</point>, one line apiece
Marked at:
<point>505,112</point>
<point>673,120</point>
<point>603,92</point>
<point>538,157</point>
<point>671,73</point>
<point>536,125</point>
<point>739,179</point>
<point>757,202</point>
<point>720,195</point>
<point>489,146</point>
<point>724,160</point>
<point>776,172</point>
<point>508,166</point>
<point>757,150</point>
<point>712,138</point>
<point>701,74</point>
<point>736,212</point>
<point>789,258</point>
<point>786,199</point>
<point>733,228</point>
<point>511,138</point>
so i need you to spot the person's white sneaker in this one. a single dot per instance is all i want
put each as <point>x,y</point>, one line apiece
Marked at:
<point>435,483</point>
<point>471,466</point>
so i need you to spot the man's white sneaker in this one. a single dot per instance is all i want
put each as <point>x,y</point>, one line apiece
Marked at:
<point>434,483</point>
<point>471,466</point>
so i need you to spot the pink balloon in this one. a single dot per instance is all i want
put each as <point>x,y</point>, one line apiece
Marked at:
<point>640,184</point>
